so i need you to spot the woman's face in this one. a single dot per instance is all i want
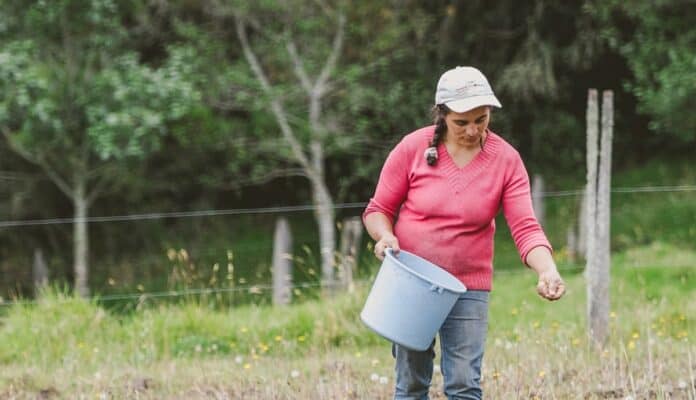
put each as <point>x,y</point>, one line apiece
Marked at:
<point>468,128</point>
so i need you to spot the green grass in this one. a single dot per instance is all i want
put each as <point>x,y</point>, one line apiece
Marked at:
<point>192,350</point>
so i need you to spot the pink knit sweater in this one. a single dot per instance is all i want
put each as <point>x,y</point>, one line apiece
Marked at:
<point>446,214</point>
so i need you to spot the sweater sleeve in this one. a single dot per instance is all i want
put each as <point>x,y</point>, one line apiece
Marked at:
<point>518,211</point>
<point>392,185</point>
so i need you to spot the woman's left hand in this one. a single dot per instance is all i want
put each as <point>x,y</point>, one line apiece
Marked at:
<point>551,285</point>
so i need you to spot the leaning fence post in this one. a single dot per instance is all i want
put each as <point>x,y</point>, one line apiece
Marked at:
<point>282,262</point>
<point>350,239</point>
<point>39,271</point>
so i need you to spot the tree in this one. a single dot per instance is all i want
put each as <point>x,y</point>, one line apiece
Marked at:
<point>312,70</point>
<point>313,73</point>
<point>658,42</point>
<point>76,101</point>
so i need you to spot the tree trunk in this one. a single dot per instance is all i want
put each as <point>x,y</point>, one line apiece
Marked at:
<point>324,214</point>
<point>81,239</point>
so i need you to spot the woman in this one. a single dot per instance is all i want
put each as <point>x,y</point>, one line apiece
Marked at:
<point>446,184</point>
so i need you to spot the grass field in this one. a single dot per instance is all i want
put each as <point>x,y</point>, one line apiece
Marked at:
<point>62,347</point>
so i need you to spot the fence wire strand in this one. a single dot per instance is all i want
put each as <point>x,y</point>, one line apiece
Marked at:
<point>253,289</point>
<point>268,210</point>
<point>288,209</point>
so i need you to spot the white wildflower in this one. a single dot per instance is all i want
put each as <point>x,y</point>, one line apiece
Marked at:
<point>383,380</point>
<point>374,377</point>
<point>294,373</point>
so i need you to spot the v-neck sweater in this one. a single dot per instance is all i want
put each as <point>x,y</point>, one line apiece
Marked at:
<point>446,214</point>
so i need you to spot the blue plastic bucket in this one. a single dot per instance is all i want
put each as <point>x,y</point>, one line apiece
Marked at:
<point>410,299</point>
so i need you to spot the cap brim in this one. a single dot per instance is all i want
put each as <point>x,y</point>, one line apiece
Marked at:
<point>464,105</point>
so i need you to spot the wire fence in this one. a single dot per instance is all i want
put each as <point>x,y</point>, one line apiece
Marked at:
<point>261,288</point>
<point>290,209</point>
<point>254,289</point>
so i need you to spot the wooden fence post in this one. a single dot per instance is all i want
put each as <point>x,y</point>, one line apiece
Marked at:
<point>583,222</point>
<point>350,241</point>
<point>538,198</point>
<point>598,216</point>
<point>572,243</point>
<point>39,271</point>
<point>603,244</point>
<point>591,273</point>
<point>282,262</point>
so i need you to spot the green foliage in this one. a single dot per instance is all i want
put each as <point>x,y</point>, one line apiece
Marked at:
<point>659,43</point>
<point>85,91</point>
<point>132,104</point>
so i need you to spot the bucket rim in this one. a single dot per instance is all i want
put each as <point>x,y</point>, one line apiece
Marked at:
<point>390,253</point>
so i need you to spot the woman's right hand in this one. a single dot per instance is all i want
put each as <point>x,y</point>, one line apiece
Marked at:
<point>387,240</point>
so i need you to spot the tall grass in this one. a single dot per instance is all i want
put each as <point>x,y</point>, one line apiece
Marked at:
<point>66,347</point>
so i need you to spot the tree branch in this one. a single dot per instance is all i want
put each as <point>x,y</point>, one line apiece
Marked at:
<point>16,176</point>
<point>276,107</point>
<point>16,148</point>
<point>325,8</point>
<point>96,190</point>
<point>57,179</point>
<point>298,67</point>
<point>320,85</point>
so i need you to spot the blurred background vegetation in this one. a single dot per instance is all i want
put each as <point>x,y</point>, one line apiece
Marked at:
<point>147,106</point>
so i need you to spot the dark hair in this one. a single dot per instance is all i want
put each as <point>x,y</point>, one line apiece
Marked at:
<point>439,112</point>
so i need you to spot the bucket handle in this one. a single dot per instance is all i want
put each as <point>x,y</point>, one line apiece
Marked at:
<point>435,288</point>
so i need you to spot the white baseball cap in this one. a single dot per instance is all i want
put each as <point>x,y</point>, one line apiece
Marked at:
<point>464,88</point>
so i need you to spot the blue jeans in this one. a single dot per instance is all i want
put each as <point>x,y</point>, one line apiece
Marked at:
<point>462,339</point>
